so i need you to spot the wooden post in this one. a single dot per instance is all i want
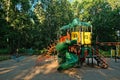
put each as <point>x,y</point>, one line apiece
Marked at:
<point>116,54</point>
<point>111,52</point>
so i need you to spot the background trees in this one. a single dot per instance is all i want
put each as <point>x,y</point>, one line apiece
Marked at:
<point>34,23</point>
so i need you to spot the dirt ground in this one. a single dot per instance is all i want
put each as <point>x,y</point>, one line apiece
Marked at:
<point>26,70</point>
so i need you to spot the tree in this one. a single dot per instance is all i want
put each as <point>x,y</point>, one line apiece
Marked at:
<point>53,15</point>
<point>103,16</point>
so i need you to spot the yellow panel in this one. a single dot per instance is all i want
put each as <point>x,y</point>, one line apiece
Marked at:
<point>75,36</point>
<point>113,52</point>
<point>86,37</point>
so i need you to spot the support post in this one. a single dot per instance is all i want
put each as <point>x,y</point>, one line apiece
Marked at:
<point>116,54</point>
<point>92,56</point>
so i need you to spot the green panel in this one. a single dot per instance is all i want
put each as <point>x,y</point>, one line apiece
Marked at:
<point>75,22</point>
<point>61,46</point>
<point>71,60</point>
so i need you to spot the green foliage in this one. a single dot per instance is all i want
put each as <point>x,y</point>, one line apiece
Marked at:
<point>105,53</point>
<point>103,14</point>
<point>24,28</point>
<point>4,57</point>
<point>39,52</point>
<point>5,51</point>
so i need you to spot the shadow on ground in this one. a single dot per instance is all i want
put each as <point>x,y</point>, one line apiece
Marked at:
<point>26,70</point>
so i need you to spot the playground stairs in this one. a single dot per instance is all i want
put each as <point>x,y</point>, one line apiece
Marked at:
<point>47,54</point>
<point>100,59</point>
<point>51,49</point>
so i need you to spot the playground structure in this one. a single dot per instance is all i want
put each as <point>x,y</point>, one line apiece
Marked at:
<point>47,53</point>
<point>76,46</point>
<point>114,52</point>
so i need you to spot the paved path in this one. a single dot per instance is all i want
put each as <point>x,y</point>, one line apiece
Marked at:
<point>26,70</point>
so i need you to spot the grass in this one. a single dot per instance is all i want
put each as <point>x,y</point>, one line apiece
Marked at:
<point>4,57</point>
<point>108,53</point>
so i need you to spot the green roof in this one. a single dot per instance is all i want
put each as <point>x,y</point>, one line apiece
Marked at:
<point>75,22</point>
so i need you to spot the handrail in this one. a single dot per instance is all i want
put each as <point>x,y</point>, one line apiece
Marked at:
<point>100,55</point>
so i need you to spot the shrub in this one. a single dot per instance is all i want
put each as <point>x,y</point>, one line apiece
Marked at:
<point>5,51</point>
<point>4,58</point>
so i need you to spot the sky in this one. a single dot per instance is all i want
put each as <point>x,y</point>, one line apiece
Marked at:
<point>19,6</point>
<point>36,1</point>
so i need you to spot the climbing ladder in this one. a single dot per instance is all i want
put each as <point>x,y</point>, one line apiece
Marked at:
<point>51,49</point>
<point>94,53</point>
<point>100,59</point>
<point>47,54</point>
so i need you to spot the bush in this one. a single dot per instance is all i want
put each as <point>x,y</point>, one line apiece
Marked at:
<point>5,51</point>
<point>105,53</point>
<point>39,52</point>
<point>31,51</point>
<point>22,50</point>
<point>4,58</point>
<point>26,51</point>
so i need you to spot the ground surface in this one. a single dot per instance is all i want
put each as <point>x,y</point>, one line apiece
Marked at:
<point>26,70</point>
